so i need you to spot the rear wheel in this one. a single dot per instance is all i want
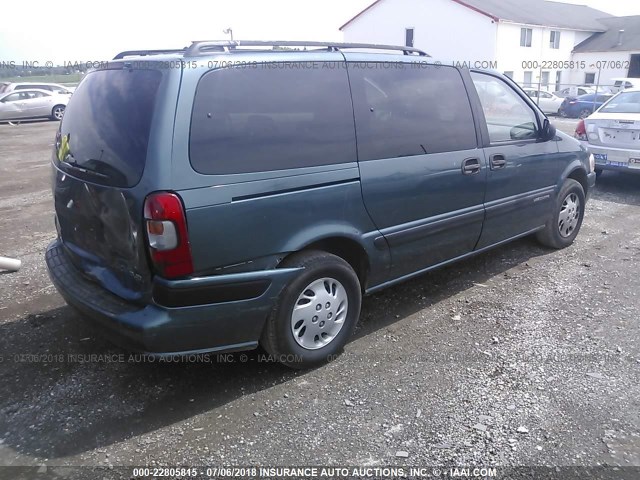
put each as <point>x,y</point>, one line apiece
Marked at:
<point>316,312</point>
<point>57,112</point>
<point>566,220</point>
<point>584,113</point>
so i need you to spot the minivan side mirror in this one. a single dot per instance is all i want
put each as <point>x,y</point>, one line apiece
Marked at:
<point>548,131</point>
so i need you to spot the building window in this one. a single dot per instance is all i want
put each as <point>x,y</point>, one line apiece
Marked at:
<point>509,74</point>
<point>528,79</point>
<point>544,79</point>
<point>589,78</point>
<point>554,39</point>
<point>558,80</point>
<point>526,35</point>
<point>408,37</point>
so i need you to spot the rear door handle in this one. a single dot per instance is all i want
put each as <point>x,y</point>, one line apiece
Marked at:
<point>497,161</point>
<point>470,166</point>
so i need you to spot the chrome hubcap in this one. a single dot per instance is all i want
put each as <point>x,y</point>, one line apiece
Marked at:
<point>569,215</point>
<point>319,313</point>
<point>58,113</point>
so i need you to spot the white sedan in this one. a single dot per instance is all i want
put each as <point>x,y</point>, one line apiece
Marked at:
<point>613,133</point>
<point>548,102</point>
<point>23,104</point>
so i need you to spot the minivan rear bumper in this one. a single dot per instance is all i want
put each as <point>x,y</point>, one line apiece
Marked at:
<point>210,314</point>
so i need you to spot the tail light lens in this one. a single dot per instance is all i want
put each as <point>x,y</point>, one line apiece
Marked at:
<point>167,235</point>
<point>581,131</point>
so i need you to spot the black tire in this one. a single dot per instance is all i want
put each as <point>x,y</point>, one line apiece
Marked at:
<point>278,337</point>
<point>551,236</point>
<point>584,113</point>
<point>57,112</point>
<point>598,172</point>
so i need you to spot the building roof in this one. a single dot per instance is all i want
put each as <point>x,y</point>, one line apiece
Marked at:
<point>612,40</point>
<point>531,12</point>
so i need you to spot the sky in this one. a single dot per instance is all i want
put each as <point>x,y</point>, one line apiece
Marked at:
<point>74,31</point>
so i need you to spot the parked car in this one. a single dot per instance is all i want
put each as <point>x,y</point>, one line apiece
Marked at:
<point>50,87</point>
<point>582,106</point>
<point>548,102</point>
<point>613,133</point>
<point>215,209</point>
<point>574,91</point>
<point>620,84</point>
<point>25,104</point>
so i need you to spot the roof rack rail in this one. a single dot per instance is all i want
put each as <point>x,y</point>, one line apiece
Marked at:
<point>144,53</point>
<point>202,47</point>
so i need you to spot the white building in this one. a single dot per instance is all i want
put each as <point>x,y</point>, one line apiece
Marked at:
<point>611,54</point>
<point>528,40</point>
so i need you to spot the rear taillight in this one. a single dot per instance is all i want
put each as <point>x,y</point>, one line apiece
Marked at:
<point>167,235</point>
<point>581,131</point>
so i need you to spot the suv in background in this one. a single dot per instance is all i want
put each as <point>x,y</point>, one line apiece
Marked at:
<point>50,87</point>
<point>227,203</point>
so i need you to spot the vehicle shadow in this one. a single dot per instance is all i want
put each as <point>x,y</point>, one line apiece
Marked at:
<point>618,187</point>
<point>57,401</point>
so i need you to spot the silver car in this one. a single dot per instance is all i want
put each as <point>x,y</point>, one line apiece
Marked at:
<point>23,104</point>
<point>51,87</point>
<point>613,133</point>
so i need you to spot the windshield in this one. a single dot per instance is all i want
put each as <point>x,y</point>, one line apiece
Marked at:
<point>105,130</point>
<point>624,103</point>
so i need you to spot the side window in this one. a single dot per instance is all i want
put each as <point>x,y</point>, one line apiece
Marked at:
<point>408,110</point>
<point>507,115</point>
<point>545,95</point>
<point>272,117</point>
<point>14,97</point>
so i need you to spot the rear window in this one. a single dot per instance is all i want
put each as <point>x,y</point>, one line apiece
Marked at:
<point>272,117</point>
<point>106,125</point>
<point>623,103</point>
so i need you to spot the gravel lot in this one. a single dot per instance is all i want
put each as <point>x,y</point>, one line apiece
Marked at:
<point>522,356</point>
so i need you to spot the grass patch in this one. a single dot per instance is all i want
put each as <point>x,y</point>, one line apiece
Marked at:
<point>69,80</point>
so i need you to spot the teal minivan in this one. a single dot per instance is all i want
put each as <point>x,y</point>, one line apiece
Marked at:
<point>236,194</point>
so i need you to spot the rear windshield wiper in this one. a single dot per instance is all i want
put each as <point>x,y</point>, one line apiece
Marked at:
<point>73,165</point>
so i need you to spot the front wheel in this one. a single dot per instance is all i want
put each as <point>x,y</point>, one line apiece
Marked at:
<point>316,312</point>
<point>566,220</point>
<point>57,112</point>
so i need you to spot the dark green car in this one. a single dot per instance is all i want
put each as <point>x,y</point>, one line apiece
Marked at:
<point>232,194</point>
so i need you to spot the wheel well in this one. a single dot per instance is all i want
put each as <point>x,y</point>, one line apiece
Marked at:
<point>350,251</point>
<point>581,177</point>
